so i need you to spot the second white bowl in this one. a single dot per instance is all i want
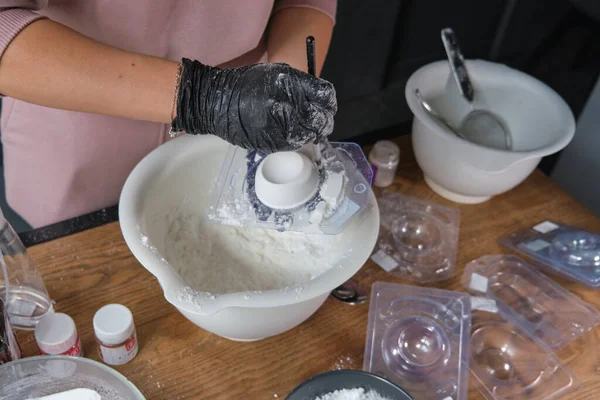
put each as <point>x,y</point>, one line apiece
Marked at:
<point>539,120</point>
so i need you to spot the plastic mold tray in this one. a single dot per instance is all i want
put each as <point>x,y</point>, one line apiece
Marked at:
<point>542,307</point>
<point>418,239</point>
<point>507,362</point>
<point>561,250</point>
<point>234,200</point>
<point>418,338</point>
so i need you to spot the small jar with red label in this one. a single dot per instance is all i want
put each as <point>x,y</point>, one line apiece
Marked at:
<point>56,334</point>
<point>115,334</point>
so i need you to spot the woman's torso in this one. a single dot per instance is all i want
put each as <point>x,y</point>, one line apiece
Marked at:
<point>61,164</point>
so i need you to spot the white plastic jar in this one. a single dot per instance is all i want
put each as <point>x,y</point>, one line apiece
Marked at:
<point>56,334</point>
<point>384,158</point>
<point>115,334</point>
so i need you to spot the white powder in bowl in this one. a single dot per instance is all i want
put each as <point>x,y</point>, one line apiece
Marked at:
<point>223,259</point>
<point>352,394</point>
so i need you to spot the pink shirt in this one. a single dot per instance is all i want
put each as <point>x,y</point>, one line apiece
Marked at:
<point>60,164</point>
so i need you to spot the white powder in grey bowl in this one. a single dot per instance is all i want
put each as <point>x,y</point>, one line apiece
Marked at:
<point>352,394</point>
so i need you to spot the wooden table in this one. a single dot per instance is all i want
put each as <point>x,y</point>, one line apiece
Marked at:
<point>178,360</point>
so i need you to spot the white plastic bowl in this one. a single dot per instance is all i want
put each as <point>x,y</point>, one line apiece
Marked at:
<point>539,120</point>
<point>185,168</point>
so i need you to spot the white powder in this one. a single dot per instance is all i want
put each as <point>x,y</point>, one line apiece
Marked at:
<point>223,259</point>
<point>345,362</point>
<point>352,394</point>
<point>75,394</point>
<point>45,384</point>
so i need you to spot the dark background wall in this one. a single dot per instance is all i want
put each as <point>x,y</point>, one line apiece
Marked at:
<point>378,44</point>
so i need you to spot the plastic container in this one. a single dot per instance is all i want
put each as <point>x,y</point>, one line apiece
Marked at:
<point>418,239</point>
<point>544,308</point>
<point>34,377</point>
<point>115,334</point>
<point>56,334</point>
<point>246,194</point>
<point>27,300</point>
<point>561,250</point>
<point>328,382</point>
<point>384,157</point>
<point>418,338</point>
<point>507,362</point>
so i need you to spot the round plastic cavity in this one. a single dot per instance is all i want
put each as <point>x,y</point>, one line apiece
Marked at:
<point>56,334</point>
<point>496,363</point>
<point>331,381</point>
<point>417,232</point>
<point>581,249</point>
<point>286,180</point>
<point>504,355</point>
<point>113,324</point>
<point>435,263</point>
<point>415,345</point>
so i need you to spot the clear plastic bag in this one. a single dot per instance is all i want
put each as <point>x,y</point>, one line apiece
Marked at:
<point>21,285</point>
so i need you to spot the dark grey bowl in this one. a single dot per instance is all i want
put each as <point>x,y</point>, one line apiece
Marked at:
<point>346,379</point>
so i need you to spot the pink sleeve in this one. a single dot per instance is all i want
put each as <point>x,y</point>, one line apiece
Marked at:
<point>14,17</point>
<point>325,6</point>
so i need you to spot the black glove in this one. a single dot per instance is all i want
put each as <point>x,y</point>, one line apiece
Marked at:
<point>264,107</point>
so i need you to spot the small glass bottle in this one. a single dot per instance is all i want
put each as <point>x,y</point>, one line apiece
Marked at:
<point>21,284</point>
<point>115,334</point>
<point>56,334</point>
<point>384,157</point>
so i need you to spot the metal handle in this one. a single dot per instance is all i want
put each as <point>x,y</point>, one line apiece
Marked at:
<point>310,60</point>
<point>457,64</point>
<point>350,293</point>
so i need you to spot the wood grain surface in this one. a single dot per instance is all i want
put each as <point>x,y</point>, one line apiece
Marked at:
<point>178,360</point>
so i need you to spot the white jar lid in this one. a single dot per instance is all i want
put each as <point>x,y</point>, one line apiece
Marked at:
<point>113,324</point>
<point>385,153</point>
<point>56,333</point>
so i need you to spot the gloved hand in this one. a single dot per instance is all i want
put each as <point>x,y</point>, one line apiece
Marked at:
<point>264,107</point>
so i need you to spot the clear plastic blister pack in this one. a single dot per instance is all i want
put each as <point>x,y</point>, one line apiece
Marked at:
<point>418,338</point>
<point>561,250</point>
<point>344,179</point>
<point>548,311</point>
<point>418,239</point>
<point>507,362</point>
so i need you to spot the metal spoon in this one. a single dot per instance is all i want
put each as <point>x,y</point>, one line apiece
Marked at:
<point>349,292</point>
<point>479,126</point>
<point>433,114</point>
